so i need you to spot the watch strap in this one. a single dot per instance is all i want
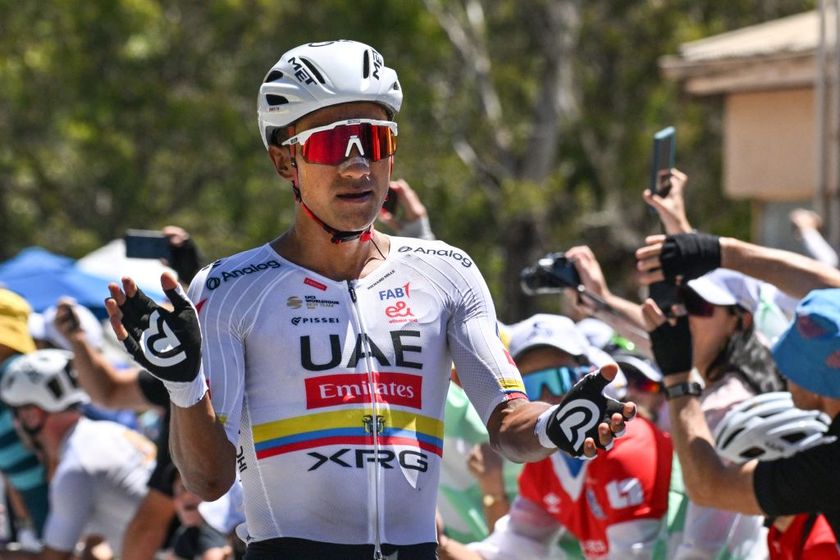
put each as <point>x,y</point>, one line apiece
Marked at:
<point>688,388</point>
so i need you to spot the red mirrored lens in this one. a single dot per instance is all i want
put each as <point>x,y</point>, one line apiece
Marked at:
<point>695,305</point>
<point>331,147</point>
<point>643,384</point>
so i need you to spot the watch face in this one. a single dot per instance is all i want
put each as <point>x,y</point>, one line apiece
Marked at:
<point>682,389</point>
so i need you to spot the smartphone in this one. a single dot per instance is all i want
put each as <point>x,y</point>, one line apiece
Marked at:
<point>146,244</point>
<point>664,152</point>
<point>391,201</point>
<point>665,294</point>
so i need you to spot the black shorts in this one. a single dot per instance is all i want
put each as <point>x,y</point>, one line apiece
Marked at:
<point>299,549</point>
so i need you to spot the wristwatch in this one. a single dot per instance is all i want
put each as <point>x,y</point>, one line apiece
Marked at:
<point>688,388</point>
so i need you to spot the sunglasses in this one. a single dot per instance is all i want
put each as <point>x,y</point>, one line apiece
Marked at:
<point>333,143</point>
<point>558,381</point>
<point>695,305</point>
<point>642,384</point>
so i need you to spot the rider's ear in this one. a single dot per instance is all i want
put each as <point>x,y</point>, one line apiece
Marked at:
<point>283,162</point>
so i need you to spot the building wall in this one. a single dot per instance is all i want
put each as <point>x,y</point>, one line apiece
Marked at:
<point>770,145</point>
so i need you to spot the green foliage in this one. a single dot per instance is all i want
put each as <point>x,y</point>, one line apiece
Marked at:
<point>141,113</point>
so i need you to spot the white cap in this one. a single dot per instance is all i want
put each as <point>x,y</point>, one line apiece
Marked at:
<point>727,287</point>
<point>597,332</point>
<point>558,331</point>
<point>543,329</point>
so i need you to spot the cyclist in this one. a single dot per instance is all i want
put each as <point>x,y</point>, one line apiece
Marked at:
<point>328,350</point>
<point>769,427</point>
<point>98,469</point>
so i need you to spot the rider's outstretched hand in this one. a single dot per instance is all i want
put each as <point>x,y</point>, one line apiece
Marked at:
<point>586,419</point>
<point>166,343</point>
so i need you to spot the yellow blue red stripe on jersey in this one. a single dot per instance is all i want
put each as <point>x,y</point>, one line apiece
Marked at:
<point>513,388</point>
<point>348,427</point>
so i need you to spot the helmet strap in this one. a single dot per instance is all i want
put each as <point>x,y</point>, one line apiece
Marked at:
<point>337,235</point>
<point>31,433</point>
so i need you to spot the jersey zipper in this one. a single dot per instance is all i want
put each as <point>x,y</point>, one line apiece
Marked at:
<point>377,469</point>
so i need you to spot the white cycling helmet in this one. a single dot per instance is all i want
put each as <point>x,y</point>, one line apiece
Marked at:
<point>44,378</point>
<point>318,75</point>
<point>768,427</point>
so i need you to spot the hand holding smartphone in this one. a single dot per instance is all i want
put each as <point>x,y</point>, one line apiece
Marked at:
<point>391,201</point>
<point>664,154</point>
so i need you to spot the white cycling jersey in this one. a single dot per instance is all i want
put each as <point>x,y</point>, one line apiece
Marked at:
<point>98,484</point>
<point>334,392</point>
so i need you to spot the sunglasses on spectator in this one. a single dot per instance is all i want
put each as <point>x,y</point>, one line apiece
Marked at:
<point>333,143</point>
<point>642,384</point>
<point>696,305</point>
<point>558,381</point>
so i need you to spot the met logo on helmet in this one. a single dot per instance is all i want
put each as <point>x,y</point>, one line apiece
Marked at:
<point>301,73</point>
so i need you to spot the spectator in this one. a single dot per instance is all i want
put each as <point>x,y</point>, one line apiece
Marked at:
<point>671,206</point>
<point>408,217</point>
<point>644,386</point>
<point>19,466</point>
<point>622,315</point>
<point>807,224</point>
<point>196,539</point>
<point>768,427</point>
<point>98,469</point>
<point>805,354</point>
<point>614,505</point>
<point>691,255</point>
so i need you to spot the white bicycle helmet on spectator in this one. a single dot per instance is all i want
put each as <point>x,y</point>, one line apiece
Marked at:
<point>768,427</point>
<point>44,378</point>
<point>318,75</point>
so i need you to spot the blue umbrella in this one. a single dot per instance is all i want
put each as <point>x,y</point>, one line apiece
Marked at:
<point>43,277</point>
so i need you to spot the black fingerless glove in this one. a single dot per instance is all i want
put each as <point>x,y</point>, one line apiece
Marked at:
<point>689,255</point>
<point>671,345</point>
<point>578,415</point>
<point>166,343</point>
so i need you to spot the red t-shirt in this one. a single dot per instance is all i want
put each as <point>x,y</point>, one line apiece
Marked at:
<point>821,543</point>
<point>629,482</point>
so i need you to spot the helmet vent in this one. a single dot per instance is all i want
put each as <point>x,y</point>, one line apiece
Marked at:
<point>312,69</point>
<point>396,86</point>
<point>731,437</point>
<point>752,453</point>
<point>794,437</point>
<point>273,75</point>
<point>55,388</point>
<point>275,100</point>
<point>366,64</point>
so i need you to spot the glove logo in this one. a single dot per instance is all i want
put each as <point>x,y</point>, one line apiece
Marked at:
<point>160,345</point>
<point>575,419</point>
